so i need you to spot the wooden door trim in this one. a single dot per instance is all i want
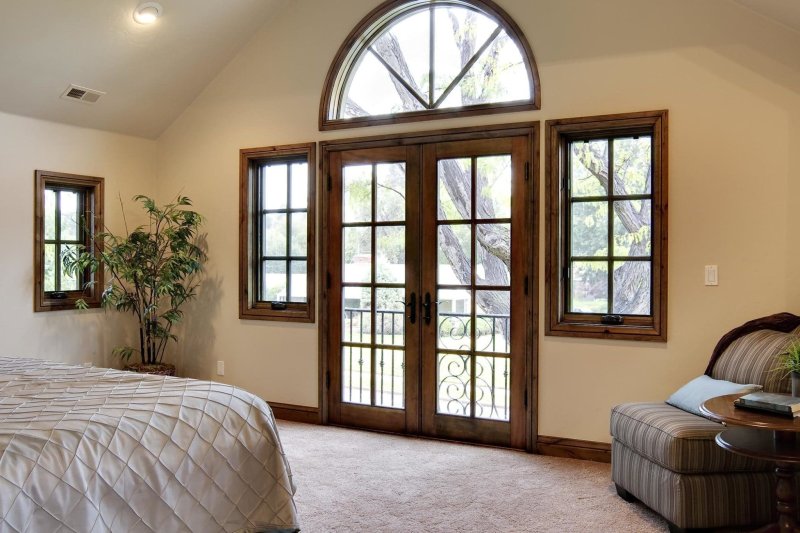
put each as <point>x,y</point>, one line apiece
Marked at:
<point>434,136</point>
<point>532,350</point>
<point>413,284</point>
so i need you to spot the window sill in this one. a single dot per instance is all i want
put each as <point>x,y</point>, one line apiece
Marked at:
<point>62,304</point>
<point>264,311</point>
<point>633,332</point>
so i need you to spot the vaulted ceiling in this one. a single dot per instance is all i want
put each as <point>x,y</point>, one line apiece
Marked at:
<point>150,74</point>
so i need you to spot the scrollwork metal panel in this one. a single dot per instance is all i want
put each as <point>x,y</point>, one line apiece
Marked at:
<point>453,385</point>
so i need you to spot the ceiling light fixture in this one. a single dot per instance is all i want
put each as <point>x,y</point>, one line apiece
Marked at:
<point>147,12</point>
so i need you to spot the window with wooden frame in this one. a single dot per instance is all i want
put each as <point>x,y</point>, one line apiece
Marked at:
<point>607,226</point>
<point>276,233</point>
<point>412,60</point>
<point>68,212</point>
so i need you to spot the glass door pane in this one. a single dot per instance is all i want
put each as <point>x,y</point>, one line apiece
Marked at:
<point>473,287</point>
<point>373,284</point>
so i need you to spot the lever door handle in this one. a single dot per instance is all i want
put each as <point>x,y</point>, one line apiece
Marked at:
<point>426,308</point>
<point>412,308</point>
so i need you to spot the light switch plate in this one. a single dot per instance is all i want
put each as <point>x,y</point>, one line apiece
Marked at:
<point>712,275</point>
<point>220,368</point>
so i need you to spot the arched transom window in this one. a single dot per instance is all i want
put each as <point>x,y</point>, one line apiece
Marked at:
<point>422,59</point>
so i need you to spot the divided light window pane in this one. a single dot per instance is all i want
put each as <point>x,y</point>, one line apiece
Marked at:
<point>49,214</point>
<point>468,59</point>
<point>62,231</point>
<point>49,267</point>
<point>449,46</point>
<point>283,227</point>
<point>610,258</point>
<point>69,215</point>
<point>411,35</point>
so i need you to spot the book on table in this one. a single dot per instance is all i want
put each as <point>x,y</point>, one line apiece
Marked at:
<point>767,401</point>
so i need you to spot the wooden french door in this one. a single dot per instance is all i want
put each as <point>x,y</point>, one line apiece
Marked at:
<point>372,327</point>
<point>428,306</point>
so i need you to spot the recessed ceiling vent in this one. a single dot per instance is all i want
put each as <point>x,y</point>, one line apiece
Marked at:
<point>82,94</point>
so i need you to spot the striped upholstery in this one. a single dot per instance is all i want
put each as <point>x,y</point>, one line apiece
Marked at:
<point>752,359</point>
<point>667,458</point>
<point>675,439</point>
<point>695,501</point>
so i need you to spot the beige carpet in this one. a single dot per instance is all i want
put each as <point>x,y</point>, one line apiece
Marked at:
<point>357,481</point>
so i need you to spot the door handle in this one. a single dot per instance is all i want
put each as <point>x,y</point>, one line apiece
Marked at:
<point>426,308</point>
<point>412,308</point>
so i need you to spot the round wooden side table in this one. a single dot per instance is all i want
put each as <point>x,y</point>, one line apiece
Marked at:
<point>763,436</point>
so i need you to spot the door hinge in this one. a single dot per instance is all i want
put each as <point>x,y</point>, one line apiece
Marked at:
<point>526,398</point>
<point>330,183</point>
<point>564,183</point>
<point>565,273</point>
<point>328,379</point>
<point>328,280</point>
<point>527,170</point>
<point>526,285</point>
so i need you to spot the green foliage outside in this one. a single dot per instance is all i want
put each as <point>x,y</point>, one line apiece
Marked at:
<point>154,269</point>
<point>496,72</point>
<point>631,225</point>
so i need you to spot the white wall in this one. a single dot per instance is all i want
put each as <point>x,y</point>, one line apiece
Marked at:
<point>26,145</point>
<point>731,81</point>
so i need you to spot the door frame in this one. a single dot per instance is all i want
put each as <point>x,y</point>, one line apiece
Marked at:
<point>529,129</point>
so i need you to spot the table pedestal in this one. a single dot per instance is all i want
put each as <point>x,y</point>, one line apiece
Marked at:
<point>778,446</point>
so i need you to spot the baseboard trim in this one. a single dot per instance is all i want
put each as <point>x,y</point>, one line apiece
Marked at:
<point>545,445</point>
<point>573,448</point>
<point>295,413</point>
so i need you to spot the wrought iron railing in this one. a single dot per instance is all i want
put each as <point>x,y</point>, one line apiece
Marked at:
<point>456,327</point>
<point>389,323</point>
<point>454,331</point>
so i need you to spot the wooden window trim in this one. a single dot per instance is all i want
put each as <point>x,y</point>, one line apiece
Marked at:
<point>559,132</point>
<point>351,46</point>
<point>93,188</point>
<point>249,307</point>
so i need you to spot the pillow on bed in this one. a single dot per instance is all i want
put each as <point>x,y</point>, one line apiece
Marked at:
<point>693,394</point>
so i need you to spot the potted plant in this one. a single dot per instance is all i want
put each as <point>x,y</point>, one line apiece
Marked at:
<point>154,270</point>
<point>790,362</point>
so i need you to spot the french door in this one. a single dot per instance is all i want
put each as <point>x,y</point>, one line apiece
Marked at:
<point>428,302</point>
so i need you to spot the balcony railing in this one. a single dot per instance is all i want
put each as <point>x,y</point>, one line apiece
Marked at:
<point>453,334</point>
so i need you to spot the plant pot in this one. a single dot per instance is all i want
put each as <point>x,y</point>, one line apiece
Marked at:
<point>796,384</point>
<point>159,369</point>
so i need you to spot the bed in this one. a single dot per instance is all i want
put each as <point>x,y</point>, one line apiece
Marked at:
<point>94,449</point>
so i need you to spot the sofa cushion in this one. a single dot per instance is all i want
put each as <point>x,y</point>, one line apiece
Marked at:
<point>693,394</point>
<point>677,440</point>
<point>753,359</point>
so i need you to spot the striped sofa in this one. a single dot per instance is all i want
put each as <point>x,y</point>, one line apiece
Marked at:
<point>667,458</point>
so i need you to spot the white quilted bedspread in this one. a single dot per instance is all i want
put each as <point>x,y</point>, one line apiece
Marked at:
<point>93,449</point>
